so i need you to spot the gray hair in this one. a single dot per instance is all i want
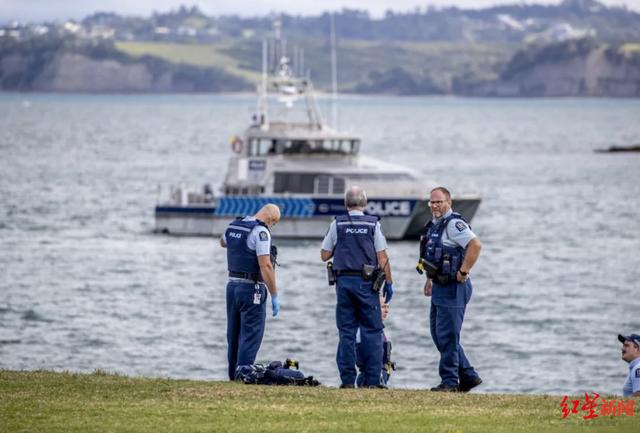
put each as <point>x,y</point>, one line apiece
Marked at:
<point>443,190</point>
<point>355,197</point>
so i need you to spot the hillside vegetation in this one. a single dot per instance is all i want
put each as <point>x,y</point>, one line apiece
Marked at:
<point>364,66</point>
<point>195,54</point>
<point>575,48</point>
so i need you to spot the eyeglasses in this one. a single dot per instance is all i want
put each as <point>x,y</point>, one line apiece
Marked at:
<point>436,202</point>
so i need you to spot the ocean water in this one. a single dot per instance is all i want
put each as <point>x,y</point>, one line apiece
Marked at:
<point>85,284</point>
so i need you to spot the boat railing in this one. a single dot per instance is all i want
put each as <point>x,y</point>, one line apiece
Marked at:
<point>183,195</point>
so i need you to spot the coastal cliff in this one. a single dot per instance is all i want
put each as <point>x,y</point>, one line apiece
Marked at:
<point>580,67</point>
<point>71,66</point>
<point>573,68</point>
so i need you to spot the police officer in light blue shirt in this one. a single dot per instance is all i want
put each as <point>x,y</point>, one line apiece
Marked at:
<point>448,250</point>
<point>631,354</point>
<point>356,243</point>
<point>251,274</point>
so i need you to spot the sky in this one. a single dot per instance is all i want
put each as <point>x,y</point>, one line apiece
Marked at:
<point>58,10</point>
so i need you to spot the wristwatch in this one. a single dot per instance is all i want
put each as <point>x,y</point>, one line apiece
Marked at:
<point>464,274</point>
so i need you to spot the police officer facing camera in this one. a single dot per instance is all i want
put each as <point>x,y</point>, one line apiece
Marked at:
<point>251,274</point>
<point>358,247</point>
<point>449,249</point>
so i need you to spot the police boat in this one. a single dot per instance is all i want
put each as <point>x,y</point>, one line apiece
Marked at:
<point>304,167</point>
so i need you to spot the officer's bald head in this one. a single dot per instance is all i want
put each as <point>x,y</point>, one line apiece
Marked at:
<point>355,198</point>
<point>269,214</point>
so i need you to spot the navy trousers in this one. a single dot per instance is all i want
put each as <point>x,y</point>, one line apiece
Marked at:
<point>358,306</point>
<point>245,323</point>
<point>360,380</point>
<point>447,314</point>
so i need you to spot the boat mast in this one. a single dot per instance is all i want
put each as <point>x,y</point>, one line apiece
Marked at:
<point>263,109</point>
<point>286,81</point>
<point>334,75</point>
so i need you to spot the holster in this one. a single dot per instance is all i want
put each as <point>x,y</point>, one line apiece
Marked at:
<point>368,272</point>
<point>331,275</point>
<point>379,280</point>
<point>431,269</point>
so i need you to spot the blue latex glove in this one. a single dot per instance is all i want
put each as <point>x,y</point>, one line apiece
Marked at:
<point>275,305</point>
<point>387,292</point>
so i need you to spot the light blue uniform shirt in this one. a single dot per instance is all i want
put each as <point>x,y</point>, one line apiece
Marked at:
<point>458,233</point>
<point>330,240</point>
<point>632,384</point>
<point>258,240</point>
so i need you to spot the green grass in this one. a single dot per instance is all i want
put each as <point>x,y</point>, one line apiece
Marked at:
<point>43,401</point>
<point>203,55</point>
<point>630,48</point>
<point>356,59</point>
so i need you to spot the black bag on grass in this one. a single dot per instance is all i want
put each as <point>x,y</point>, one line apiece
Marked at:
<point>273,374</point>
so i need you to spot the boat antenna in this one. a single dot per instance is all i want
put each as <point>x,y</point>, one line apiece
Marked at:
<point>295,60</point>
<point>334,75</point>
<point>277,45</point>
<point>301,68</point>
<point>262,109</point>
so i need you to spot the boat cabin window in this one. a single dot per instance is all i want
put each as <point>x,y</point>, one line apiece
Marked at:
<point>272,146</point>
<point>245,190</point>
<point>324,184</point>
<point>380,177</point>
<point>308,183</point>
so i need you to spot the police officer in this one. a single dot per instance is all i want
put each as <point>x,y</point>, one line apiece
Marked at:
<point>249,262</point>
<point>631,354</point>
<point>387,365</point>
<point>450,250</point>
<point>357,245</point>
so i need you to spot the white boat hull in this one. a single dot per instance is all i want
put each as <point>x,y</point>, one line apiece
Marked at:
<point>297,223</point>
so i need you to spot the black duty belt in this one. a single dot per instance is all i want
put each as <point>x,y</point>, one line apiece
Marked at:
<point>348,272</point>
<point>245,275</point>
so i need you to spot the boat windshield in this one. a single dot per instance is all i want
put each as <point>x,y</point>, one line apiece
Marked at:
<point>327,183</point>
<point>294,146</point>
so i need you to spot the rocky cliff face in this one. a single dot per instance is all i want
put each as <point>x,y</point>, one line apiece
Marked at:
<point>578,68</point>
<point>76,73</point>
<point>59,68</point>
<point>572,68</point>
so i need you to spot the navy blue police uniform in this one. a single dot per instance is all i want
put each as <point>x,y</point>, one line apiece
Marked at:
<point>387,365</point>
<point>246,292</point>
<point>355,240</point>
<point>446,240</point>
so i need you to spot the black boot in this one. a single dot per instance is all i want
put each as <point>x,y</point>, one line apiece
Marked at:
<point>445,388</point>
<point>467,385</point>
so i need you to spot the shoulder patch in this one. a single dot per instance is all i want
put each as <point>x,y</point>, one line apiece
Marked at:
<point>637,372</point>
<point>461,226</point>
<point>263,236</point>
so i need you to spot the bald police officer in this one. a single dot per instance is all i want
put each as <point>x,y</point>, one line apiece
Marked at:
<point>355,241</point>
<point>251,274</point>
<point>450,249</point>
